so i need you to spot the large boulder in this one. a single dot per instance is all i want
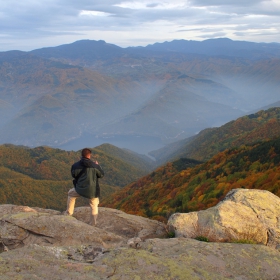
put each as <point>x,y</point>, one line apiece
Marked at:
<point>243,215</point>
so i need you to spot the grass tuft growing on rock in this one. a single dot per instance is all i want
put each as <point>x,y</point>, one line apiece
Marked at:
<point>202,238</point>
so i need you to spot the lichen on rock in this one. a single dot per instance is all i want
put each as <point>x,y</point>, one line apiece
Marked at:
<point>43,244</point>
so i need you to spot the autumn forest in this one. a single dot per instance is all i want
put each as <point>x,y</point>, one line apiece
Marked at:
<point>244,153</point>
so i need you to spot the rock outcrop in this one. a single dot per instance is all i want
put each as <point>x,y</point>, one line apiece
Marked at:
<point>22,225</point>
<point>43,244</point>
<point>243,215</point>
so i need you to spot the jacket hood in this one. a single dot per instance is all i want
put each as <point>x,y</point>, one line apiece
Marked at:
<point>86,162</point>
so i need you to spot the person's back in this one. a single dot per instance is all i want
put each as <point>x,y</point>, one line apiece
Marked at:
<point>86,174</point>
<point>87,184</point>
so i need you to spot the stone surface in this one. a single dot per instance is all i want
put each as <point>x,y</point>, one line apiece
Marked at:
<point>252,215</point>
<point>22,225</point>
<point>122,224</point>
<point>161,259</point>
<point>43,244</point>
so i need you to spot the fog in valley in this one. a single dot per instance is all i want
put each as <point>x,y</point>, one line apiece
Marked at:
<point>138,99</point>
<point>138,123</point>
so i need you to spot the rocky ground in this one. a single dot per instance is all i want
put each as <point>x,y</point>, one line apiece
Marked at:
<point>43,244</point>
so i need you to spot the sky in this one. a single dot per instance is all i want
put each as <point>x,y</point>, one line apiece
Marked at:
<point>32,24</point>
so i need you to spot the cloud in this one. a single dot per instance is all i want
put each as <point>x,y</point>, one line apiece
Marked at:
<point>93,13</point>
<point>31,24</point>
<point>138,5</point>
<point>153,5</point>
<point>204,3</point>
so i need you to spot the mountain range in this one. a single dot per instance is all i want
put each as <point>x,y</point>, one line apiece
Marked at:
<point>141,98</point>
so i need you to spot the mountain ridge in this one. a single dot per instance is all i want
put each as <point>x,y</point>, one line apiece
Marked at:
<point>105,91</point>
<point>220,47</point>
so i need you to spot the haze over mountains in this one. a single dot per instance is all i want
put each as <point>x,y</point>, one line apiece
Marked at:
<point>90,92</point>
<point>248,129</point>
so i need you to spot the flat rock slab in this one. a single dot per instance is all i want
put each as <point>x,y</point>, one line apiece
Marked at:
<point>20,226</point>
<point>177,258</point>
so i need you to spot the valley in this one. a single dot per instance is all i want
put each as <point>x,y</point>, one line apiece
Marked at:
<point>174,126</point>
<point>189,175</point>
<point>90,91</point>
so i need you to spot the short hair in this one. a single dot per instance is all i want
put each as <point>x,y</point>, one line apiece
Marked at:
<point>86,152</point>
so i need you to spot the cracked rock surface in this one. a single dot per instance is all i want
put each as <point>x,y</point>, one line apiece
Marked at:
<point>162,259</point>
<point>43,244</point>
<point>22,225</point>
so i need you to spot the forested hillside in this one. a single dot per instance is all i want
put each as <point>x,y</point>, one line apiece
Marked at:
<point>249,157</point>
<point>139,161</point>
<point>249,129</point>
<point>41,176</point>
<point>172,189</point>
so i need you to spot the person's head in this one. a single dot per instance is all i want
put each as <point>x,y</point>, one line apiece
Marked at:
<point>86,153</point>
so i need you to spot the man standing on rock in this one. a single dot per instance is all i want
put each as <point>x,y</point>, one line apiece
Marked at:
<point>85,173</point>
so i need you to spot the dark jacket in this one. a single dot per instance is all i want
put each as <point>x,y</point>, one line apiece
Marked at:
<point>87,184</point>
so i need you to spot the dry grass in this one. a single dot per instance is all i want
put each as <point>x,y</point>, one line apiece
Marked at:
<point>250,235</point>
